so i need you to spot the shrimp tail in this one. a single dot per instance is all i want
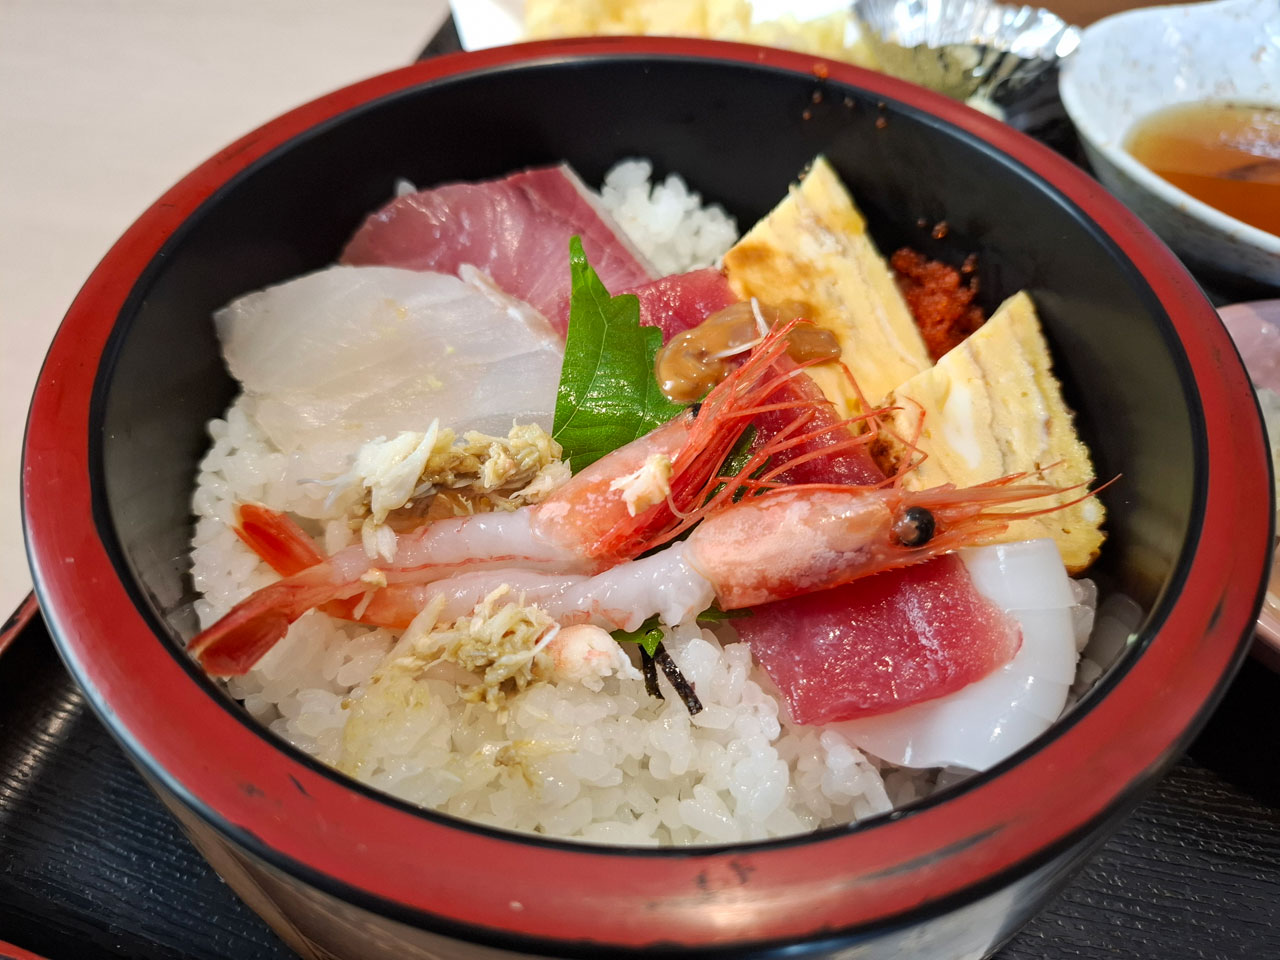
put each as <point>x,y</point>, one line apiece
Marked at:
<point>284,546</point>
<point>236,642</point>
<point>276,539</point>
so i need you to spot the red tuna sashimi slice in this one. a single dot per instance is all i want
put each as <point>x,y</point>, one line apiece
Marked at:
<point>681,302</point>
<point>852,465</point>
<point>516,229</point>
<point>881,643</point>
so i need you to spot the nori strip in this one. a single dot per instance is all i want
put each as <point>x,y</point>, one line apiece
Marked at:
<point>681,685</point>
<point>650,674</point>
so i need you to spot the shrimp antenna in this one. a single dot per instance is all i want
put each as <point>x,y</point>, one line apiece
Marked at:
<point>1026,493</point>
<point>878,429</point>
<point>872,421</point>
<point>720,489</point>
<point>914,456</point>
<point>965,515</point>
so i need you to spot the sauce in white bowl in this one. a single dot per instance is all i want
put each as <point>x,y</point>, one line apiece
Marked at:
<point>1224,154</point>
<point>1133,64</point>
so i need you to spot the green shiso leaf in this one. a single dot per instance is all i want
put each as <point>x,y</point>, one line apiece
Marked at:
<point>608,395</point>
<point>648,635</point>
<point>713,614</point>
<point>740,453</point>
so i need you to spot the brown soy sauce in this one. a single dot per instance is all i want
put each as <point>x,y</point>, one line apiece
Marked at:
<point>1224,154</point>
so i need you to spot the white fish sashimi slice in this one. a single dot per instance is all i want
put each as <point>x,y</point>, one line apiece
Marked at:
<point>988,720</point>
<point>336,358</point>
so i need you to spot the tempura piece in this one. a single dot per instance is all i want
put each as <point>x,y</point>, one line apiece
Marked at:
<point>833,35</point>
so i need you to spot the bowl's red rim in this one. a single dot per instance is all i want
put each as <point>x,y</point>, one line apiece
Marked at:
<point>17,621</point>
<point>416,867</point>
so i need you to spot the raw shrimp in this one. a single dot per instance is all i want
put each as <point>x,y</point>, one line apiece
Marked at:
<point>778,545</point>
<point>588,525</point>
<point>781,543</point>
<point>988,720</point>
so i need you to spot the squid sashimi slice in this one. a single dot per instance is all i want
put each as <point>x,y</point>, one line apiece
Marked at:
<point>989,720</point>
<point>515,229</point>
<point>337,358</point>
<point>682,301</point>
<point>880,643</point>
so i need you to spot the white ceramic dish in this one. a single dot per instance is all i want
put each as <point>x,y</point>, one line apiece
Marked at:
<point>1255,328</point>
<point>488,23</point>
<point>1132,64</point>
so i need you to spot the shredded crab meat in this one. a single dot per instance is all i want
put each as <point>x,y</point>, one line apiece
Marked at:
<point>649,485</point>
<point>378,539</point>
<point>502,647</point>
<point>374,577</point>
<point>497,644</point>
<point>416,476</point>
<point>390,469</point>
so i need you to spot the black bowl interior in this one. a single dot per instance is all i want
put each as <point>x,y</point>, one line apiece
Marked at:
<point>738,133</point>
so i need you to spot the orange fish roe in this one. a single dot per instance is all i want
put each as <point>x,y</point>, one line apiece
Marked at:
<point>940,298</point>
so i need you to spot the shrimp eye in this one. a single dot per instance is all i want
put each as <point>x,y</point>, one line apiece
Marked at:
<point>914,527</point>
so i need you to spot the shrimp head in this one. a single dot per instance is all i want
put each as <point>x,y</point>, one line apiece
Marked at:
<point>796,540</point>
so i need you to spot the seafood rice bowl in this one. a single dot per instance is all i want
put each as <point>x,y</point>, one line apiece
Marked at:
<point>783,534</point>
<point>518,599</point>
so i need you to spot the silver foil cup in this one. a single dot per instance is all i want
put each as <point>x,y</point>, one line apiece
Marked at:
<point>990,54</point>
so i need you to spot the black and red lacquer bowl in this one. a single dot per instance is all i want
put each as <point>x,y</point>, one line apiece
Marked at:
<point>117,427</point>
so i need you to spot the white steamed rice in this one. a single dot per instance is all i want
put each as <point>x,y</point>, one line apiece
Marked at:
<point>667,221</point>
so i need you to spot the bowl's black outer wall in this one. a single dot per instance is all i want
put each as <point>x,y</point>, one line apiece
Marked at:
<point>740,134</point>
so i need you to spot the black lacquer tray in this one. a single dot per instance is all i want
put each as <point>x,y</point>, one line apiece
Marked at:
<point>92,867</point>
